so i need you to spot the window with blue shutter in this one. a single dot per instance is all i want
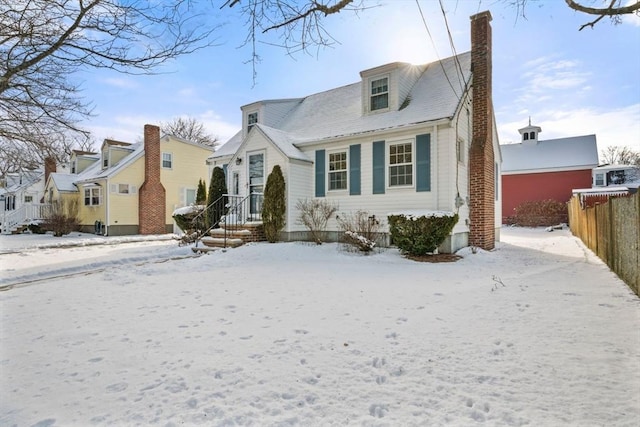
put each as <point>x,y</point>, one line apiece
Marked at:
<point>354,170</point>
<point>423,162</point>
<point>320,180</point>
<point>378,167</point>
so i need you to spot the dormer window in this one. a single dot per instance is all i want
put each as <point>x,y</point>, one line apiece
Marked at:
<point>379,94</point>
<point>105,159</point>
<point>532,135</point>
<point>252,119</point>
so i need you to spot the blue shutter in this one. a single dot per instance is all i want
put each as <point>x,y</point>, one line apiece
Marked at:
<point>378,167</point>
<point>354,170</point>
<point>320,178</point>
<point>423,162</point>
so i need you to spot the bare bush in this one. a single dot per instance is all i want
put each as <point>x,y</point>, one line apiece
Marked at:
<point>314,215</point>
<point>62,217</point>
<point>361,230</point>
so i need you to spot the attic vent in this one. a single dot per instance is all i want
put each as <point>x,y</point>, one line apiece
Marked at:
<point>405,103</point>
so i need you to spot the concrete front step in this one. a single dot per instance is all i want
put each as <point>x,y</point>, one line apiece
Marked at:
<point>221,242</point>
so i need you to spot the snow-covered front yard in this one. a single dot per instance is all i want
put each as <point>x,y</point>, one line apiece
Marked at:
<point>538,332</point>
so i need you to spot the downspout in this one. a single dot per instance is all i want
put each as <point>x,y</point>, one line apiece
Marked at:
<point>106,201</point>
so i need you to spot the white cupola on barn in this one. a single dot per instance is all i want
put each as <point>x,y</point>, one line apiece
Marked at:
<point>530,133</point>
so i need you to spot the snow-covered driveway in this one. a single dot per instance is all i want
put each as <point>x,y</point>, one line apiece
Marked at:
<point>538,332</point>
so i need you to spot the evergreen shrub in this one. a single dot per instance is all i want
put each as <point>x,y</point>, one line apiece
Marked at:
<point>420,235</point>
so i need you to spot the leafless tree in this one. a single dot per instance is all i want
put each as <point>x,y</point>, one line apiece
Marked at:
<point>299,25</point>
<point>44,43</point>
<point>614,9</point>
<point>190,129</point>
<point>620,155</point>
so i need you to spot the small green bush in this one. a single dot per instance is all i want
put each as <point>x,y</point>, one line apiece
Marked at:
<point>420,235</point>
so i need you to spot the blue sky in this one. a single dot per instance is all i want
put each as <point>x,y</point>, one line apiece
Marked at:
<point>569,82</point>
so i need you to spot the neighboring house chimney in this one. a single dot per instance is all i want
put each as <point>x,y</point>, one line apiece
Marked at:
<point>49,167</point>
<point>152,208</point>
<point>481,156</point>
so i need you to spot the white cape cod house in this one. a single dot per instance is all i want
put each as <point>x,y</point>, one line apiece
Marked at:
<point>398,140</point>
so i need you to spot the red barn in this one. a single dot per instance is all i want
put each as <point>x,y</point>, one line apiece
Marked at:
<point>540,170</point>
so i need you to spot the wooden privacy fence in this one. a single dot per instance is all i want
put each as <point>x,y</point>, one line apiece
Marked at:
<point>612,231</point>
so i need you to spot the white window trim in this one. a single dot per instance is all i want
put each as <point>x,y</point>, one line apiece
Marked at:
<point>370,95</point>
<point>328,163</point>
<point>387,159</point>
<point>186,192</point>
<point>461,151</point>
<point>162,160</point>
<point>250,125</point>
<point>90,189</point>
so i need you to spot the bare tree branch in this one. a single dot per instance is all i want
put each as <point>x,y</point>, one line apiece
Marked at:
<point>44,43</point>
<point>189,129</point>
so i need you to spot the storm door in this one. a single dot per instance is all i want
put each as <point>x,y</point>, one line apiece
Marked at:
<point>256,182</point>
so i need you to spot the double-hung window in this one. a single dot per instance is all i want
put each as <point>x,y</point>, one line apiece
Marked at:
<point>123,188</point>
<point>92,196</point>
<point>252,119</point>
<point>401,164</point>
<point>167,160</point>
<point>338,171</point>
<point>379,94</point>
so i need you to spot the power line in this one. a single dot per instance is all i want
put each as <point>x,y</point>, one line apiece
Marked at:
<point>424,21</point>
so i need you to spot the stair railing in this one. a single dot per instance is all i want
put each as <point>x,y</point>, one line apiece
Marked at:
<point>230,211</point>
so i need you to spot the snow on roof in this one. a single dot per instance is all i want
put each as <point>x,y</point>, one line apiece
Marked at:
<point>64,181</point>
<point>338,112</point>
<point>228,148</point>
<point>614,167</point>
<point>561,154</point>
<point>284,142</point>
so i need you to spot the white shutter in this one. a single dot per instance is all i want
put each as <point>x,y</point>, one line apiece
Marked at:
<point>133,189</point>
<point>114,188</point>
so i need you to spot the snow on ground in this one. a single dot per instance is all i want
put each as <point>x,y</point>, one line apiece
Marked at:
<point>538,332</point>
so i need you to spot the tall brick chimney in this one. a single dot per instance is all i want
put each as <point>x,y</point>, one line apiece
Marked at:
<point>481,156</point>
<point>49,167</point>
<point>152,197</point>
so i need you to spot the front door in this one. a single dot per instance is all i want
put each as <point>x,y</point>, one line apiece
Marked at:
<point>256,182</point>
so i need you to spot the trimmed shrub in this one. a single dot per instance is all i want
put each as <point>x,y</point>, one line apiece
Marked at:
<point>217,188</point>
<point>314,215</point>
<point>62,217</point>
<point>274,207</point>
<point>420,235</point>
<point>201,194</point>
<point>184,218</point>
<point>540,213</point>
<point>361,230</point>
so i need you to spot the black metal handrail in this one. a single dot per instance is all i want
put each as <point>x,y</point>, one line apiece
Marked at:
<point>229,210</point>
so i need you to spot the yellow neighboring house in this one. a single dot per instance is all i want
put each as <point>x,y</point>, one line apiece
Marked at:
<point>132,188</point>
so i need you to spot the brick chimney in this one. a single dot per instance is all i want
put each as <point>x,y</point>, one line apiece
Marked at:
<point>152,197</point>
<point>49,167</point>
<point>481,156</point>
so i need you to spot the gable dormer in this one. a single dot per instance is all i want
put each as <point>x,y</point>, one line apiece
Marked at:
<point>529,134</point>
<point>387,87</point>
<point>113,151</point>
<point>80,160</point>
<point>269,113</point>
